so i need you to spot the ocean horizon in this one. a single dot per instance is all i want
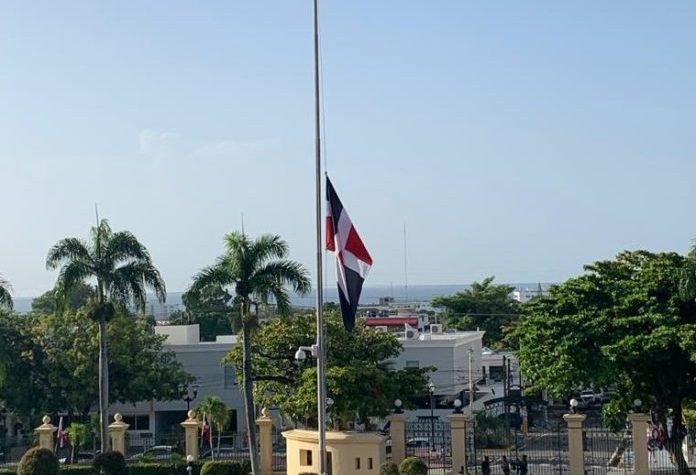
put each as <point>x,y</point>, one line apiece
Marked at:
<point>370,295</point>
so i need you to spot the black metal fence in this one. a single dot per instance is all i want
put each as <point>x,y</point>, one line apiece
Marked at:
<point>495,449</point>
<point>279,452</point>
<point>430,439</point>
<point>607,452</point>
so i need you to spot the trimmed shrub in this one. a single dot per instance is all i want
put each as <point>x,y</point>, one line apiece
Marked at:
<point>111,463</point>
<point>225,468</point>
<point>389,468</point>
<point>413,466</point>
<point>77,470</point>
<point>38,461</point>
<point>150,469</point>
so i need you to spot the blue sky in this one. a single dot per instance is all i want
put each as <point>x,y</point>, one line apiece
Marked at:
<point>515,139</point>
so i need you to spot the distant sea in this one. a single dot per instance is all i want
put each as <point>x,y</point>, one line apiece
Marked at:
<point>370,295</point>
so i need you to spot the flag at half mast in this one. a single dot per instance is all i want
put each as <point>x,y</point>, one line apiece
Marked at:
<point>352,259</point>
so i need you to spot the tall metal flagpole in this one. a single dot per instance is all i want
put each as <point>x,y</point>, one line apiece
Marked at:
<point>321,356</point>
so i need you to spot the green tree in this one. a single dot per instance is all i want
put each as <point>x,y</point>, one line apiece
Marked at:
<point>122,269</point>
<point>218,414</point>
<point>77,433</point>
<point>49,302</point>
<point>258,270</point>
<point>212,309</point>
<point>5,296</point>
<point>359,378</point>
<point>54,360</point>
<point>623,323</point>
<point>484,306</point>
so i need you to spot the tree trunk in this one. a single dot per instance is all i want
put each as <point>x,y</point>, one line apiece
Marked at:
<point>675,440</point>
<point>249,391</point>
<point>103,386</point>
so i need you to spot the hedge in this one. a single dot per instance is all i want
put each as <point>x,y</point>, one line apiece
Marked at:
<point>38,461</point>
<point>225,468</point>
<point>110,463</point>
<point>413,466</point>
<point>77,470</point>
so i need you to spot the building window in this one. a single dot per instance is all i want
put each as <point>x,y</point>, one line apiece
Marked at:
<point>357,463</point>
<point>369,463</point>
<point>305,457</point>
<point>137,422</point>
<point>228,377</point>
<point>413,364</point>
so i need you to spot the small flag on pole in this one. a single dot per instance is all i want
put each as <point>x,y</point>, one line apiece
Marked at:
<point>61,433</point>
<point>352,259</point>
<point>205,430</point>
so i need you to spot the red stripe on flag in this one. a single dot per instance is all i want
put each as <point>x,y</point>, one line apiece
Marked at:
<point>355,245</point>
<point>330,243</point>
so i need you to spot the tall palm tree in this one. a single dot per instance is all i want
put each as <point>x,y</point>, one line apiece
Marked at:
<point>258,270</point>
<point>122,270</point>
<point>5,297</point>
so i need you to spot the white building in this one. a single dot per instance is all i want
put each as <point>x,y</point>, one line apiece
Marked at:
<point>447,352</point>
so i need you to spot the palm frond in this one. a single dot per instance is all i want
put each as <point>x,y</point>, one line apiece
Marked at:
<point>219,274</point>
<point>124,246</point>
<point>267,247</point>
<point>130,281</point>
<point>70,275</point>
<point>285,272</point>
<point>68,249</point>
<point>5,296</point>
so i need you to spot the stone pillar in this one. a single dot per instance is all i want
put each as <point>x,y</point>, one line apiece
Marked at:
<point>575,453</point>
<point>640,424</point>
<point>117,434</point>
<point>45,432</point>
<point>397,430</point>
<point>265,424</point>
<point>458,426</point>
<point>191,426</point>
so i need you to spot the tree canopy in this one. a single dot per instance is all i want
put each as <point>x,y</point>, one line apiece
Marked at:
<point>360,379</point>
<point>53,360</point>
<point>486,306</point>
<point>623,324</point>
<point>5,297</point>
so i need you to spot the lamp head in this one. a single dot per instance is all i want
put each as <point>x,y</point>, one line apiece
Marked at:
<point>457,406</point>
<point>195,390</point>
<point>431,387</point>
<point>397,406</point>
<point>300,355</point>
<point>573,405</point>
<point>637,403</point>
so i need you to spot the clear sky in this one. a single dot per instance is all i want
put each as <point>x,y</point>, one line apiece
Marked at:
<point>515,139</point>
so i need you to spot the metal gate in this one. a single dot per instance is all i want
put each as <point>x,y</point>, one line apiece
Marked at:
<point>430,439</point>
<point>510,451</point>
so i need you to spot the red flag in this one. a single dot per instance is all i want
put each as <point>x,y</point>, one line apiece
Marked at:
<point>61,434</point>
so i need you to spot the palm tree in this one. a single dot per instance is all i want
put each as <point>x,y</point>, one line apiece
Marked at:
<point>122,269</point>
<point>218,414</point>
<point>5,297</point>
<point>258,270</point>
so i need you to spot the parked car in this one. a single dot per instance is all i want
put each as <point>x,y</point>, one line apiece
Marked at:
<point>158,452</point>
<point>420,447</point>
<point>226,452</point>
<point>80,457</point>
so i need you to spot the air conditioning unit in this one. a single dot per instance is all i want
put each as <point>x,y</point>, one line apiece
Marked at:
<point>382,329</point>
<point>411,334</point>
<point>436,328</point>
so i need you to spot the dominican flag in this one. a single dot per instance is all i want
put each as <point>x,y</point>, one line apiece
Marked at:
<point>205,431</point>
<point>352,259</point>
<point>61,433</point>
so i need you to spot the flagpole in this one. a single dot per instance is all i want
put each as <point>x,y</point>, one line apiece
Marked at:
<point>321,362</point>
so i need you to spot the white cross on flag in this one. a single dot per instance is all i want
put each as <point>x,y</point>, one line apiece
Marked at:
<point>352,259</point>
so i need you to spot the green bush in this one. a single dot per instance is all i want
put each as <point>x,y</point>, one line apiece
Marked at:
<point>389,468</point>
<point>77,470</point>
<point>7,471</point>
<point>150,469</point>
<point>225,468</point>
<point>110,463</point>
<point>413,466</point>
<point>38,461</point>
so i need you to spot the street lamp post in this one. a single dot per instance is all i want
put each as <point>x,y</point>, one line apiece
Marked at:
<point>191,394</point>
<point>431,391</point>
